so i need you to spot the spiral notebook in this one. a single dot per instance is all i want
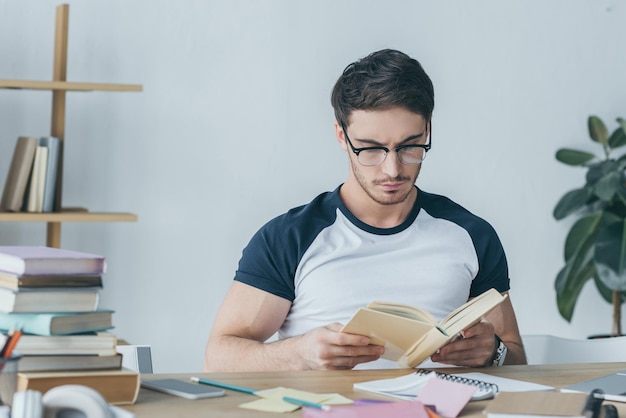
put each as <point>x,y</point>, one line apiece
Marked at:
<point>410,385</point>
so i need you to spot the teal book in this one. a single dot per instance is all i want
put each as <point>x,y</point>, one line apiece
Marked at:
<point>49,188</point>
<point>49,324</point>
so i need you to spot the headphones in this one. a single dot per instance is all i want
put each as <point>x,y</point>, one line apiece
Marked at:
<point>66,401</point>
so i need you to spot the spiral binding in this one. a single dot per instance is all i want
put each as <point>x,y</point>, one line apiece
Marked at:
<point>486,386</point>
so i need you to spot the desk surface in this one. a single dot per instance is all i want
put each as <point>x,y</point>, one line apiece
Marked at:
<point>154,404</point>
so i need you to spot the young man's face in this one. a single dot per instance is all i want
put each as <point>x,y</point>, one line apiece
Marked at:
<point>390,182</point>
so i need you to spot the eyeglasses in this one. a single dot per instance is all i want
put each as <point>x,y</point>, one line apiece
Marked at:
<point>411,154</point>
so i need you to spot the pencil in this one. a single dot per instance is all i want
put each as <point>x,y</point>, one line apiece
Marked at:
<point>11,343</point>
<point>223,385</point>
<point>302,402</point>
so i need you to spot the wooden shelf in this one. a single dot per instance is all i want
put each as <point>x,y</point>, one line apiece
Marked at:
<point>70,216</point>
<point>67,86</point>
<point>58,86</point>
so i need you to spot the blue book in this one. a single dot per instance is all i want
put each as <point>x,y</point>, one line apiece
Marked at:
<point>65,323</point>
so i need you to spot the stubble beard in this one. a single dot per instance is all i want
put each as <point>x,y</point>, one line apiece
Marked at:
<point>382,198</point>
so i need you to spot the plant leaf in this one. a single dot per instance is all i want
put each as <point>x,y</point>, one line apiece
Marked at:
<point>571,202</point>
<point>574,157</point>
<point>597,130</point>
<point>568,287</point>
<point>618,137</point>
<point>610,255</point>
<point>583,231</point>
<point>605,292</point>
<point>598,170</point>
<point>608,185</point>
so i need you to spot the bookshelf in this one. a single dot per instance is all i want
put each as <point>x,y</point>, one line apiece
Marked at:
<point>59,86</point>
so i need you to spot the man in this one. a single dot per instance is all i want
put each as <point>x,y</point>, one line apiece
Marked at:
<point>376,237</point>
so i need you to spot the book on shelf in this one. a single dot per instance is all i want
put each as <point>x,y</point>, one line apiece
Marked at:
<point>411,334</point>
<point>49,300</point>
<point>118,387</point>
<point>101,344</point>
<point>18,281</point>
<point>59,323</point>
<point>537,404</point>
<point>53,145</point>
<point>34,198</point>
<point>18,174</point>
<point>68,362</point>
<point>39,260</point>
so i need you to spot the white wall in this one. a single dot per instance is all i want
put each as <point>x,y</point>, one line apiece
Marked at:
<point>235,126</point>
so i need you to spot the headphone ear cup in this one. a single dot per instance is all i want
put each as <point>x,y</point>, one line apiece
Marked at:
<point>75,397</point>
<point>27,404</point>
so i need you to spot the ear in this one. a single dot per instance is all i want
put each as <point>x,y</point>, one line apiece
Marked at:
<point>340,135</point>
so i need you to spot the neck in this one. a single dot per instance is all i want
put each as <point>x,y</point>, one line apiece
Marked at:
<point>373,213</point>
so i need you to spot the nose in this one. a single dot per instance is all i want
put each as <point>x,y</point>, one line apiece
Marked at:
<point>391,165</point>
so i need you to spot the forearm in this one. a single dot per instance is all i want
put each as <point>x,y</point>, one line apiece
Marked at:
<point>228,353</point>
<point>515,353</point>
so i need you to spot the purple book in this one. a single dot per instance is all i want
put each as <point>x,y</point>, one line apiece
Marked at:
<point>30,260</point>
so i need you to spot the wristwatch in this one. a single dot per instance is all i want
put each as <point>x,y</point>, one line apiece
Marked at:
<point>500,354</point>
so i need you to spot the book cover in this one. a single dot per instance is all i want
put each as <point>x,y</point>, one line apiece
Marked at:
<point>100,344</point>
<point>34,199</point>
<point>17,281</point>
<point>19,172</point>
<point>37,260</point>
<point>410,334</point>
<point>538,404</point>
<point>49,324</point>
<point>118,387</point>
<point>53,145</point>
<point>43,363</point>
<point>49,300</point>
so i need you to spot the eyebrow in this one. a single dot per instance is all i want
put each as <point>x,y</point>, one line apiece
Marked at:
<point>378,144</point>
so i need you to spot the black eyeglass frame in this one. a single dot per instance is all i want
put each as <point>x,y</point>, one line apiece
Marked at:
<point>397,149</point>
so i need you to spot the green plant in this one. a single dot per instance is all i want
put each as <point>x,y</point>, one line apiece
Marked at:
<point>595,247</point>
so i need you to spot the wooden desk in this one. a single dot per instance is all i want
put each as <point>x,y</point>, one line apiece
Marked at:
<point>155,405</point>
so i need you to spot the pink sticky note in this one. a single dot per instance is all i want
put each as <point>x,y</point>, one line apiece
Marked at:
<point>401,409</point>
<point>449,398</point>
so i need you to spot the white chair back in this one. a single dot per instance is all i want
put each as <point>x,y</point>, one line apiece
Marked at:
<point>550,349</point>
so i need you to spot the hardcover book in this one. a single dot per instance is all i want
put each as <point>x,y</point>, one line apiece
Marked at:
<point>17,281</point>
<point>34,260</point>
<point>18,175</point>
<point>118,387</point>
<point>43,363</point>
<point>53,144</point>
<point>410,334</point>
<point>49,300</point>
<point>61,323</point>
<point>100,344</point>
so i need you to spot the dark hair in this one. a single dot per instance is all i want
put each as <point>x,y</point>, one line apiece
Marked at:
<point>382,80</point>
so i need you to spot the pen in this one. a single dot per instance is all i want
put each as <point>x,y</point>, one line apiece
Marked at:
<point>223,385</point>
<point>11,343</point>
<point>306,403</point>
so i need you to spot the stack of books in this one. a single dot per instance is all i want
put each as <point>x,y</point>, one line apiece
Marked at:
<point>52,296</point>
<point>30,184</point>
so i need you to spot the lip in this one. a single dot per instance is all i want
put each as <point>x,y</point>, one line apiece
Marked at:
<point>391,186</point>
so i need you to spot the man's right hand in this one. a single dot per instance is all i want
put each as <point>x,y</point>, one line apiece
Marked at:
<point>328,348</point>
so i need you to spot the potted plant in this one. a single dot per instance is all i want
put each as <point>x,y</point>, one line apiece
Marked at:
<point>595,247</point>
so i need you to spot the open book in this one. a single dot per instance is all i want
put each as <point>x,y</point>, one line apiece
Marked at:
<point>410,334</point>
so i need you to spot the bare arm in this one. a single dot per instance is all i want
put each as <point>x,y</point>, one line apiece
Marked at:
<point>249,316</point>
<point>478,344</point>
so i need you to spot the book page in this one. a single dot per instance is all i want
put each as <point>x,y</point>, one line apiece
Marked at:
<point>405,311</point>
<point>395,333</point>
<point>471,312</point>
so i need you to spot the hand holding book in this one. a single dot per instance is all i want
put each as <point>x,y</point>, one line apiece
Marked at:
<point>410,334</point>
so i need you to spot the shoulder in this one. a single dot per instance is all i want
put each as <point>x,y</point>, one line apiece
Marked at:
<point>442,207</point>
